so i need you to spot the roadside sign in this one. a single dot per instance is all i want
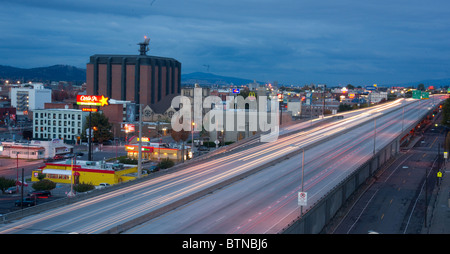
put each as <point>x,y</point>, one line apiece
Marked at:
<point>417,94</point>
<point>302,198</point>
<point>439,174</point>
<point>445,155</point>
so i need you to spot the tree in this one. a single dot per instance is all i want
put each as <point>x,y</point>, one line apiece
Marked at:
<point>101,126</point>
<point>344,107</point>
<point>6,183</point>
<point>180,135</point>
<point>446,113</point>
<point>447,143</point>
<point>350,87</point>
<point>421,87</point>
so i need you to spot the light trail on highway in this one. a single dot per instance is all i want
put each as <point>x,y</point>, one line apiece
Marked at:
<point>332,166</point>
<point>98,214</point>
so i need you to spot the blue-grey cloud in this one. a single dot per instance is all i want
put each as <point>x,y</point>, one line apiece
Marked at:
<point>334,42</point>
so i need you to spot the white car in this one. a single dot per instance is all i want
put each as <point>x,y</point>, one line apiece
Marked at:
<point>102,185</point>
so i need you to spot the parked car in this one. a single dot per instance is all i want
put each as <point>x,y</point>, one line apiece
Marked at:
<point>107,142</point>
<point>102,185</point>
<point>58,157</point>
<point>26,202</point>
<point>40,194</point>
<point>154,169</point>
<point>11,190</point>
<point>203,148</point>
<point>48,159</point>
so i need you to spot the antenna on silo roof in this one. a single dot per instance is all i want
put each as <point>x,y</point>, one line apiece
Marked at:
<point>144,46</point>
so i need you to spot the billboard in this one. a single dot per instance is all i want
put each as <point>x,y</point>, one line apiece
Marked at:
<point>131,113</point>
<point>92,100</point>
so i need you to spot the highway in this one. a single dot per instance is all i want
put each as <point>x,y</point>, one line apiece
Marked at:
<point>266,202</point>
<point>261,203</point>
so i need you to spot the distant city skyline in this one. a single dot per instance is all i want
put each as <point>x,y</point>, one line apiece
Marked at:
<point>292,42</point>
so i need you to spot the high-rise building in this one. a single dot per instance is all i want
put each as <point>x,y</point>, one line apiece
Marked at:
<point>141,79</point>
<point>58,123</point>
<point>30,97</point>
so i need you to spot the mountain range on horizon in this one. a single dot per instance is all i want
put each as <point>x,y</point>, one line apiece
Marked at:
<point>78,75</point>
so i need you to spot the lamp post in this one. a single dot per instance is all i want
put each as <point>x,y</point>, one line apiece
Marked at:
<point>90,138</point>
<point>140,143</point>
<point>374,136</point>
<point>192,132</point>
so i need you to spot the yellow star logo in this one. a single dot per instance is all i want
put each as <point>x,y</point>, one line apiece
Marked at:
<point>104,101</point>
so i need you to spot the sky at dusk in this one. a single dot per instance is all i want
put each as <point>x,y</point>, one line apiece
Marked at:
<point>289,41</point>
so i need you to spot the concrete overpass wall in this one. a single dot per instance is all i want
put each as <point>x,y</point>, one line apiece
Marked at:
<point>316,218</point>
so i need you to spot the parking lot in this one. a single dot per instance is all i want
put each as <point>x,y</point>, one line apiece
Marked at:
<point>7,200</point>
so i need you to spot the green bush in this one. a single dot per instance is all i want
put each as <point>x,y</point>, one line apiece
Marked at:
<point>44,184</point>
<point>165,163</point>
<point>126,160</point>
<point>83,187</point>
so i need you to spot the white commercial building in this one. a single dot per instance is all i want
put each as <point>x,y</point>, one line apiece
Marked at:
<point>66,124</point>
<point>30,97</point>
<point>35,149</point>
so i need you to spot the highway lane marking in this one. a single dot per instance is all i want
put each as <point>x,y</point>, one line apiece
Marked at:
<point>433,142</point>
<point>359,216</point>
<point>417,199</point>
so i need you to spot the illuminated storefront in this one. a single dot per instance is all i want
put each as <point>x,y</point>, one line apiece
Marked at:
<point>153,152</point>
<point>86,172</point>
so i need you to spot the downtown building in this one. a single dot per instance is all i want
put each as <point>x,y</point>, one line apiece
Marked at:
<point>29,97</point>
<point>152,81</point>
<point>64,124</point>
<point>140,79</point>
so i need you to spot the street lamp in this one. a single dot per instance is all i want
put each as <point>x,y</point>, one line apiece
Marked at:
<point>192,132</point>
<point>374,136</point>
<point>140,143</point>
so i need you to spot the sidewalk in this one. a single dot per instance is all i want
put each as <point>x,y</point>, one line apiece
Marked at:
<point>440,213</point>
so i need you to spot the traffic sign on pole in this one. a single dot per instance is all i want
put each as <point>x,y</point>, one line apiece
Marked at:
<point>302,198</point>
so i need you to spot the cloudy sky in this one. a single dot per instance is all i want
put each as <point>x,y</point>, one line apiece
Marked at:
<point>289,41</point>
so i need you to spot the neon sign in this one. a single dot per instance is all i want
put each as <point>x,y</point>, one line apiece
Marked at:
<point>92,100</point>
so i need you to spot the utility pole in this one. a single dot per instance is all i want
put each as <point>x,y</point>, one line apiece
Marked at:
<point>21,192</point>
<point>90,138</point>
<point>374,136</point>
<point>140,143</point>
